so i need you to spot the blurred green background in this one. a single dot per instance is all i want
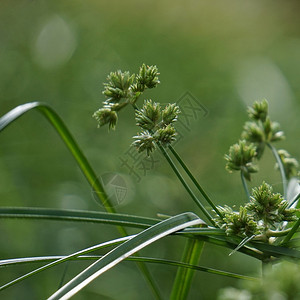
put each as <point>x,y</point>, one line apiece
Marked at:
<point>225,53</point>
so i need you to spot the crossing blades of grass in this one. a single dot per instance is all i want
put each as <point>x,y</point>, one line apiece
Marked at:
<point>123,251</point>
<point>61,260</point>
<point>43,259</point>
<point>81,160</point>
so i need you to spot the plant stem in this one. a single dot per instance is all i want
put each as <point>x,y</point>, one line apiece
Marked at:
<point>291,233</point>
<point>281,168</point>
<point>272,233</point>
<point>294,200</point>
<point>196,183</point>
<point>180,177</point>
<point>184,276</point>
<point>188,189</point>
<point>245,185</point>
<point>89,173</point>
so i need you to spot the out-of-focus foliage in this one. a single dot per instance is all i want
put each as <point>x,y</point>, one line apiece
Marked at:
<point>280,282</point>
<point>226,54</point>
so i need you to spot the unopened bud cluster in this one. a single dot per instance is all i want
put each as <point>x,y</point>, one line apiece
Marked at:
<point>157,125</point>
<point>241,157</point>
<point>258,132</point>
<point>123,88</point>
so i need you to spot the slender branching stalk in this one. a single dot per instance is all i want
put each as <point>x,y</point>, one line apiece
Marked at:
<point>245,186</point>
<point>290,234</point>
<point>196,183</point>
<point>185,185</point>
<point>281,168</point>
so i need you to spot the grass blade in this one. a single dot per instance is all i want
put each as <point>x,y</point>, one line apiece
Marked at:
<point>121,252</point>
<point>242,244</point>
<point>99,217</point>
<point>276,251</point>
<point>78,216</point>
<point>68,139</point>
<point>61,260</point>
<point>42,259</point>
<point>81,160</point>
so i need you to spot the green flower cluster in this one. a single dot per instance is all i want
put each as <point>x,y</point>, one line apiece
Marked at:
<point>123,88</point>
<point>258,132</point>
<point>290,164</point>
<point>269,207</point>
<point>261,130</point>
<point>157,125</point>
<point>241,157</point>
<point>237,223</point>
<point>263,212</point>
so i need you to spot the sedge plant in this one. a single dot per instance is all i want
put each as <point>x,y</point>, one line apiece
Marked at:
<point>264,228</point>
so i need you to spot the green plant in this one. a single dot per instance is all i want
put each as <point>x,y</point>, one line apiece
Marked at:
<point>264,228</point>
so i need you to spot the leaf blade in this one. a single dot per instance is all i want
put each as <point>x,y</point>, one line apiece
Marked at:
<point>121,252</point>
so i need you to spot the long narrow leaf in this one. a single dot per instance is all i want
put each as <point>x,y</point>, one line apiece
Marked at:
<point>77,215</point>
<point>121,252</point>
<point>99,217</point>
<point>242,244</point>
<point>68,139</point>
<point>255,249</point>
<point>277,251</point>
<point>81,160</point>
<point>42,259</point>
<point>61,260</point>
<point>228,243</point>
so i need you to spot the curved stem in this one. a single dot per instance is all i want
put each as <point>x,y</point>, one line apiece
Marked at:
<point>272,233</point>
<point>245,185</point>
<point>196,183</point>
<point>281,168</point>
<point>81,160</point>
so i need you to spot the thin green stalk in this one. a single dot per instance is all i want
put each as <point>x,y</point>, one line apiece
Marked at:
<point>272,233</point>
<point>245,186</point>
<point>63,275</point>
<point>281,168</point>
<point>118,254</point>
<point>188,189</point>
<point>152,260</point>
<point>196,183</point>
<point>184,276</point>
<point>64,259</point>
<point>180,177</point>
<point>81,160</point>
<point>291,233</point>
<point>294,200</point>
